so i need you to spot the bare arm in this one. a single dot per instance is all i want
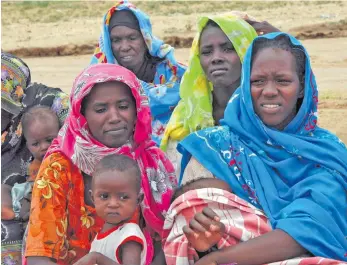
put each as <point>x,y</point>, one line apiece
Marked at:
<point>159,257</point>
<point>93,258</point>
<point>131,253</point>
<point>274,246</point>
<point>40,261</point>
<point>6,203</point>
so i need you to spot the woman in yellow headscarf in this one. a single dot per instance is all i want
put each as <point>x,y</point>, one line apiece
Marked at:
<point>213,74</point>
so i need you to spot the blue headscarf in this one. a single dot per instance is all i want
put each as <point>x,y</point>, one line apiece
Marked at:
<point>298,176</point>
<point>163,93</point>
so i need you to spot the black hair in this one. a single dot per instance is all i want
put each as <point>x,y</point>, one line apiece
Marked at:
<point>38,113</point>
<point>120,163</point>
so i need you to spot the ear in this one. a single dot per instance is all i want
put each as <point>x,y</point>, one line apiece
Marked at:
<point>91,196</point>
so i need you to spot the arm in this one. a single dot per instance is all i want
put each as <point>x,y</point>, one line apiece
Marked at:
<point>130,253</point>
<point>6,203</point>
<point>159,257</point>
<point>93,258</point>
<point>40,261</point>
<point>270,247</point>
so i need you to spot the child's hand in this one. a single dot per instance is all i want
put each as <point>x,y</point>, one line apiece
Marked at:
<point>205,230</point>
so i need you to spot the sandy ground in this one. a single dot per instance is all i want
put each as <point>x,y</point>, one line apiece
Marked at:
<point>329,56</point>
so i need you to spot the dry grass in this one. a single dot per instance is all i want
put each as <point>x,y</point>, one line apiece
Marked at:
<point>54,11</point>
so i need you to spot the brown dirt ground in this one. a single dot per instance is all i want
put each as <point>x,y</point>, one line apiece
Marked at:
<point>317,23</point>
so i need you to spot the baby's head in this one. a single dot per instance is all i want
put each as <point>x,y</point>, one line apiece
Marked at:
<point>40,126</point>
<point>116,188</point>
<point>200,183</point>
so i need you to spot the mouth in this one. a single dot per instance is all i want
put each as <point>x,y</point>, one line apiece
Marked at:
<point>112,214</point>
<point>270,108</point>
<point>126,58</point>
<point>218,71</point>
<point>116,131</point>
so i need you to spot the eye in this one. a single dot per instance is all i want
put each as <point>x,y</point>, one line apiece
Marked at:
<point>133,37</point>
<point>206,52</point>
<point>123,106</point>
<point>103,196</point>
<point>257,82</point>
<point>283,81</point>
<point>124,197</point>
<point>229,49</point>
<point>100,110</point>
<point>49,140</point>
<point>115,40</point>
<point>35,144</point>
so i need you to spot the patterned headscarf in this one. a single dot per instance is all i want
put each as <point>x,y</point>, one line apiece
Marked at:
<point>15,77</point>
<point>163,91</point>
<point>194,111</point>
<point>298,176</point>
<point>78,144</point>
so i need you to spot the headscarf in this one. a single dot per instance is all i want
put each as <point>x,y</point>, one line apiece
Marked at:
<point>17,95</point>
<point>124,18</point>
<point>298,176</point>
<point>194,111</point>
<point>78,144</point>
<point>163,90</point>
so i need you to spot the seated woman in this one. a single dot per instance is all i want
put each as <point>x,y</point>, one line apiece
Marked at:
<point>17,95</point>
<point>213,74</point>
<point>273,155</point>
<point>127,40</point>
<point>109,115</point>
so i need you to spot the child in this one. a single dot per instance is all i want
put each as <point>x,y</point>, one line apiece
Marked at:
<point>116,194</point>
<point>40,126</point>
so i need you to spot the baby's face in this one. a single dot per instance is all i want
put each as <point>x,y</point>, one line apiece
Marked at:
<point>39,136</point>
<point>115,195</point>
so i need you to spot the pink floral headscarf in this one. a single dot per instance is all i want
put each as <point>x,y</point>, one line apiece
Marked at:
<point>76,141</point>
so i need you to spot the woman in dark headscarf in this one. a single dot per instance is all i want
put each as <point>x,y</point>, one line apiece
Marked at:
<point>127,40</point>
<point>17,94</point>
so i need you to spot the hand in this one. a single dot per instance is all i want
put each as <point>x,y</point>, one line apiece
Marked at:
<point>205,230</point>
<point>7,213</point>
<point>89,259</point>
<point>25,208</point>
<point>262,27</point>
<point>209,259</point>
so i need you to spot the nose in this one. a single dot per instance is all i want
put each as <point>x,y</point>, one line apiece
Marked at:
<point>113,202</point>
<point>44,146</point>
<point>216,57</point>
<point>270,90</point>
<point>113,116</point>
<point>124,46</point>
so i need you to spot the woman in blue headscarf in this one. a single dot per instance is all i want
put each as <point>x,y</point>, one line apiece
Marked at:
<point>273,155</point>
<point>127,39</point>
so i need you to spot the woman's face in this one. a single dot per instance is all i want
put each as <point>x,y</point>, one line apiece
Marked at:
<point>275,87</point>
<point>218,58</point>
<point>110,112</point>
<point>128,47</point>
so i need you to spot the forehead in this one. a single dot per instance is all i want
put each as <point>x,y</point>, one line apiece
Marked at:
<point>213,35</point>
<point>115,179</point>
<point>274,58</point>
<point>109,91</point>
<point>41,129</point>
<point>120,31</point>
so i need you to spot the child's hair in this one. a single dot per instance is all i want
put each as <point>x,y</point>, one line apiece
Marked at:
<point>119,163</point>
<point>38,113</point>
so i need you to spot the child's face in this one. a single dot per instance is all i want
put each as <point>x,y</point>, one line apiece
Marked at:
<point>39,136</point>
<point>115,195</point>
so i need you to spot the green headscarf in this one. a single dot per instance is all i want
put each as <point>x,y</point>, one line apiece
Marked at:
<point>194,111</point>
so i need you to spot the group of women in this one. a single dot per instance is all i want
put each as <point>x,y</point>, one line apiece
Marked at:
<point>244,112</point>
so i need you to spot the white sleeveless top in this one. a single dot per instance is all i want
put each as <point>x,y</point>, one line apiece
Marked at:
<point>109,242</point>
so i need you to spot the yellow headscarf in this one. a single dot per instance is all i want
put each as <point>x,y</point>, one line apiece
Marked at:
<point>194,111</point>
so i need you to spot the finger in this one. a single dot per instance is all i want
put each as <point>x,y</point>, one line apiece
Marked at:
<point>211,214</point>
<point>196,226</point>
<point>190,234</point>
<point>250,21</point>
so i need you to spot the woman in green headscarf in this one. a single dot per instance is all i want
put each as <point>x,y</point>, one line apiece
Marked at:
<point>213,74</point>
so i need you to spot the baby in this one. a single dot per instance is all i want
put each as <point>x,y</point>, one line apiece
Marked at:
<point>40,126</point>
<point>116,194</point>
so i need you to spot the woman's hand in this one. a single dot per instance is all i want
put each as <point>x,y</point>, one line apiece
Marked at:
<point>205,230</point>
<point>7,212</point>
<point>25,208</point>
<point>263,27</point>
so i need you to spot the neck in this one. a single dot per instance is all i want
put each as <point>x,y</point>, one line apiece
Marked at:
<point>221,96</point>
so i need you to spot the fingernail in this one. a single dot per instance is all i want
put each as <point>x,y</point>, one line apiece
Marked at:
<point>216,218</point>
<point>213,227</point>
<point>208,234</point>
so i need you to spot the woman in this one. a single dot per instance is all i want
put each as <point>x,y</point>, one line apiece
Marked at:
<point>273,155</point>
<point>213,75</point>
<point>17,94</point>
<point>127,39</point>
<point>109,115</point>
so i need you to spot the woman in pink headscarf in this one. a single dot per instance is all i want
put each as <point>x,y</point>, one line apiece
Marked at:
<point>109,115</point>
